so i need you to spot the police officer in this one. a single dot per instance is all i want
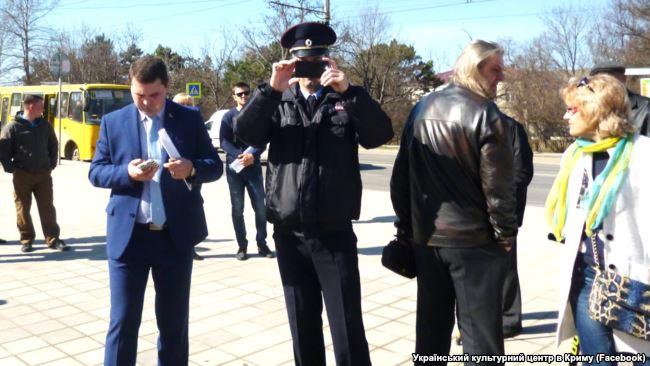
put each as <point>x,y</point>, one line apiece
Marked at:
<point>314,125</point>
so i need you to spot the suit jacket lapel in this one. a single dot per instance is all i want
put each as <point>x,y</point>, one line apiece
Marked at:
<point>132,128</point>
<point>168,125</point>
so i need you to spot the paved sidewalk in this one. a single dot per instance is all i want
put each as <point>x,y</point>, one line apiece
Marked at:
<point>54,306</point>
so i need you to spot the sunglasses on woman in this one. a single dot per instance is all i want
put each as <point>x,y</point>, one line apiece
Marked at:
<point>585,82</point>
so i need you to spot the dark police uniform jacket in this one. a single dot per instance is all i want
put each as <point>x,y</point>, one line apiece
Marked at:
<point>313,164</point>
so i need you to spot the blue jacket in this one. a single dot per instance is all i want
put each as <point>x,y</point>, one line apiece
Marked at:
<point>230,143</point>
<point>119,143</point>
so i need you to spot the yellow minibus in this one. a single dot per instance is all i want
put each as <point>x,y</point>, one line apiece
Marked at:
<point>82,107</point>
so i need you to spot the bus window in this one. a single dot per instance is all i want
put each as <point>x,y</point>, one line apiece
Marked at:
<point>16,104</point>
<point>5,111</point>
<point>64,104</point>
<point>49,112</point>
<point>102,101</point>
<point>76,107</point>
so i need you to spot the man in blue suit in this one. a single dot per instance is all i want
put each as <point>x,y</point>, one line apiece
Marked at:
<point>154,219</point>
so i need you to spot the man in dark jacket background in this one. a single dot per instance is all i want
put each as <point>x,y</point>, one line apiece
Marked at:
<point>248,178</point>
<point>453,191</point>
<point>640,105</point>
<point>523,172</point>
<point>313,189</point>
<point>28,150</point>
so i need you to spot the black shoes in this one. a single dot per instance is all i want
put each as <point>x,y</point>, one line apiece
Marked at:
<point>26,247</point>
<point>58,244</point>
<point>241,254</point>
<point>512,332</point>
<point>2,241</point>
<point>196,256</point>
<point>264,251</point>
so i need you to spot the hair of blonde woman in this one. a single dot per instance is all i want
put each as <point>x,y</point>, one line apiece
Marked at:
<point>467,69</point>
<point>602,103</point>
<point>183,99</point>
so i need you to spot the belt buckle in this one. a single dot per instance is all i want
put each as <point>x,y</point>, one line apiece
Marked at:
<point>154,227</point>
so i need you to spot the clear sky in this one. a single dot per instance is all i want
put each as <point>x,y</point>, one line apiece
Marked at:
<point>437,28</point>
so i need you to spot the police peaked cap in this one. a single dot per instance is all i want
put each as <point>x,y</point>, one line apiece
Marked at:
<point>608,67</point>
<point>308,39</point>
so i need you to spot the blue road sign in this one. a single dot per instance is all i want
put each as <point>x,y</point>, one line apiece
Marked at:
<point>193,89</point>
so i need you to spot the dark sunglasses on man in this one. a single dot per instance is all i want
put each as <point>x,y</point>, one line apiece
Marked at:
<point>244,93</point>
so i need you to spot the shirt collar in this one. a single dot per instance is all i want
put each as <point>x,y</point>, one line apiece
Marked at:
<point>318,93</point>
<point>159,114</point>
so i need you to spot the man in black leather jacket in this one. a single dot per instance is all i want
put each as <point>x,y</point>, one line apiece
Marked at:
<point>640,105</point>
<point>313,190</point>
<point>454,195</point>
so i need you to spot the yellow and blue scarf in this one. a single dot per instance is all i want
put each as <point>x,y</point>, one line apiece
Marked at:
<point>600,197</point>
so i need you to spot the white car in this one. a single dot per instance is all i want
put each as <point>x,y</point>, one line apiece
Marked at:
<point>213,124</point>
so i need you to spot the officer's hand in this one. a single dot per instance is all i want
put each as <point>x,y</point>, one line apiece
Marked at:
<point>334,77</point>
<point>179,168</point>
<point>246,159</point>
<point>282,74</point>
<point>138,174</point>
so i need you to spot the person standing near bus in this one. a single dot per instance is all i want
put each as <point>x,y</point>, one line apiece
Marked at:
<point>28,150</point>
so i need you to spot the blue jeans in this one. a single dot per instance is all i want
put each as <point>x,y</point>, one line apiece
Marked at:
<point>250,178</point>
<point>594,336</point>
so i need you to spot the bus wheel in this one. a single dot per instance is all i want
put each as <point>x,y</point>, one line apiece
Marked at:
<point>72,152</point>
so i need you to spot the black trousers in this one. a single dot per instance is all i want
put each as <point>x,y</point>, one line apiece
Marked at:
<point>470,280</point>
<point>512,295</point>
<point>317,266</point>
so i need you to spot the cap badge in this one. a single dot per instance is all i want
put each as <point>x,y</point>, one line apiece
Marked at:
<point>308,42</point>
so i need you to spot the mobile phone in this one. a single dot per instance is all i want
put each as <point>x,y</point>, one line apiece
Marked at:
<point>309,69</point>
<point>146,165</point>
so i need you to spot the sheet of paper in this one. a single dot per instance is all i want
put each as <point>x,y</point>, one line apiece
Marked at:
<point>237,165</point>
<point>171,149</point>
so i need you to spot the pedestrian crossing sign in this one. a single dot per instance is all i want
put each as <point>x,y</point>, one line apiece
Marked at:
<point>193,89</point>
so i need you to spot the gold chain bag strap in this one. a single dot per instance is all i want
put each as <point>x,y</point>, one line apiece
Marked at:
<point>617,301</point>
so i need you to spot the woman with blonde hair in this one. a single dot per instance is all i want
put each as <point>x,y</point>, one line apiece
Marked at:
<point>184,99</point>
<point>598,206</point>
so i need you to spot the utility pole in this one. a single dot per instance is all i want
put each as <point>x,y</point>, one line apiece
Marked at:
<point>326,10</point>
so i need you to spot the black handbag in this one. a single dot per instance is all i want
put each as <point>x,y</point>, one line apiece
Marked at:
<point>398,257</point>
<point>619,302</point>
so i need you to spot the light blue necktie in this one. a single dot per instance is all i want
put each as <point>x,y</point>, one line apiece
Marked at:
<point>155,195</point>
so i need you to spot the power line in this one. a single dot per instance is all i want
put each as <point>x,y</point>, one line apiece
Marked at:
<point>143,21</point>
<point>443,20</point>
<point>194,11</point>
<point>296,7</point>
<point>139,5</point>
<point>388,12</point>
